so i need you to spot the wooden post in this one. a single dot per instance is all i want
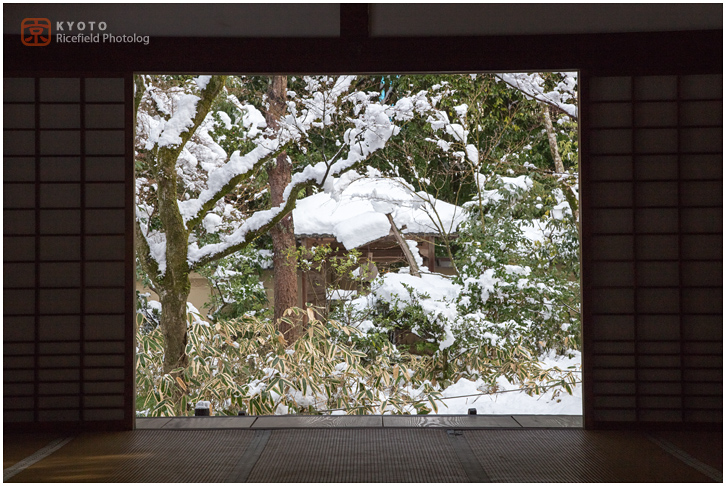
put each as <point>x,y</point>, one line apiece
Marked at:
<point>431,250</point>
<point>404,248</point>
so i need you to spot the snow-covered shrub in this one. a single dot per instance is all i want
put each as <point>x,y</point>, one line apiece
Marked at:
<point>246,364</point>
<point>148,313</point>
<point>519,271</point>
<point>513,303</point>
<point>215,362</point>
<point>236,284</point>
<point>413,312</point>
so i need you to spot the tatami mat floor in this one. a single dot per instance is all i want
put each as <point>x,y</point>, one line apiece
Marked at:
<point>244,449</point>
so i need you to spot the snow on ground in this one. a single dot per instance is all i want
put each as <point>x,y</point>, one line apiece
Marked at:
<point>515,402</point>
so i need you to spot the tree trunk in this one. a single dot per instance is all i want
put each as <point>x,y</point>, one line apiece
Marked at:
<point>283,234</point>
<point>175,284</point>
<point>552,138</point>
<point>174,327</point>
<point>172,283</point>
<point>559,166</point>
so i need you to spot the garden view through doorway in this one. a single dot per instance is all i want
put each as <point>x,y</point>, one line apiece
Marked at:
<point>397,244</point>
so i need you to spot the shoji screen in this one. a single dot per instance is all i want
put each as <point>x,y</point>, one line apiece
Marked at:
<point>652,251</point>
<point>67,245</point>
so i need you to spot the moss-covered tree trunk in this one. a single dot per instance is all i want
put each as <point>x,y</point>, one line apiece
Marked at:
<point>172,283</point>
<point>175,283</point>
<point>174,327</point>
<point>283,233</point>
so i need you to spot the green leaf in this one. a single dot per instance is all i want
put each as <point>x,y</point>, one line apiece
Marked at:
<point>434,407</point>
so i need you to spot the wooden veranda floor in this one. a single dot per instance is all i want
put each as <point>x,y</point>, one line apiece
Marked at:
<point>364,449</point>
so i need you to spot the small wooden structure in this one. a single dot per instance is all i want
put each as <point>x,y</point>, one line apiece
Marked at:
<point>374,215</point>
<point>381,253</point>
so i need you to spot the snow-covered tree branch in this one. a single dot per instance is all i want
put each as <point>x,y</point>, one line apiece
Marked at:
<point>185,178</point>
<point>533,85</point>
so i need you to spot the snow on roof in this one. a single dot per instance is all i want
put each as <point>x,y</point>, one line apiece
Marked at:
<point>354,211</point>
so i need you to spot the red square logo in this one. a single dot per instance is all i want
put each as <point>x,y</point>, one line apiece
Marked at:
<point>35,32</point>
